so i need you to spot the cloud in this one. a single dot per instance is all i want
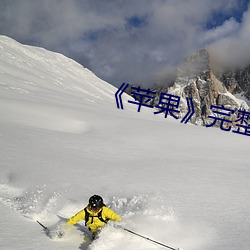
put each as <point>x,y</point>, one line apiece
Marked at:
<point>233,49</point>
<point>228,28</point>
<point>124,41</point>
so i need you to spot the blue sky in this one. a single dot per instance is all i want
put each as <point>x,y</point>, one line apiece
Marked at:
<point>133,41</point>
<point>218,17</point>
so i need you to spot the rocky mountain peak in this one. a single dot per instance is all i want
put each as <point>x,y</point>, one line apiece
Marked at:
<point>194,65</point>
<point>196,79</point>
<point>237,81</point>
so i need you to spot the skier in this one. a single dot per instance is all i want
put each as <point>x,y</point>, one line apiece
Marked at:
<point>95,214</point>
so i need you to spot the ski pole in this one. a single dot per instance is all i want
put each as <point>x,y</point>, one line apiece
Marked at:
<point>45,228</point>
<point>146,238</point>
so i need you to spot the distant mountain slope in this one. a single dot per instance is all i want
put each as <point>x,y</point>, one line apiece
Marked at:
<point>33,74</point>
<point>24,69</point>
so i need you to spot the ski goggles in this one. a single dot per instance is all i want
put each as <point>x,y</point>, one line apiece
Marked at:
<point>94,208</point>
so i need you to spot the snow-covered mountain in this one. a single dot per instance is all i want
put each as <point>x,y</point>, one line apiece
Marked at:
<point>62,139</point>
<point>237,81</point>
<point>197,78</point>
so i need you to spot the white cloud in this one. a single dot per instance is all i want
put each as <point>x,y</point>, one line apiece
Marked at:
<point>97,33</point>
<point>233,50</point>
<point>228,28</point>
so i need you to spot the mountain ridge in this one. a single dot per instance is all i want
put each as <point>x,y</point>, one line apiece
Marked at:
<point>197,78</point>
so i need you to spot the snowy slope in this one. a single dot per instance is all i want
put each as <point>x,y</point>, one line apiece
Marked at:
<point>63,139</point>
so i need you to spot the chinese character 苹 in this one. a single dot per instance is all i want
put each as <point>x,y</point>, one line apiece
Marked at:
<point>221,113</point>
<point>142,96</point>
<point>168,104</point>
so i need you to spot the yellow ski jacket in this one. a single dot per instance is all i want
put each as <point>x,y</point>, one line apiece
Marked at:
<point>94,223</point>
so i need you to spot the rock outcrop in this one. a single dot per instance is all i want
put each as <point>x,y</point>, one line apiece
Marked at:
<point>196,79</point>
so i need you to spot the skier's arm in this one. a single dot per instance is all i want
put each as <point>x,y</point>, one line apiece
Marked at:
<point>110,214</point>
<point>77,217</point>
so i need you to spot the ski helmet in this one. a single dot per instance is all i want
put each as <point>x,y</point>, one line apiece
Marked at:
<point>95,202</point>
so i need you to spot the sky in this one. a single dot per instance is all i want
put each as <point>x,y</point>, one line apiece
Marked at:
<point>132,41</point>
